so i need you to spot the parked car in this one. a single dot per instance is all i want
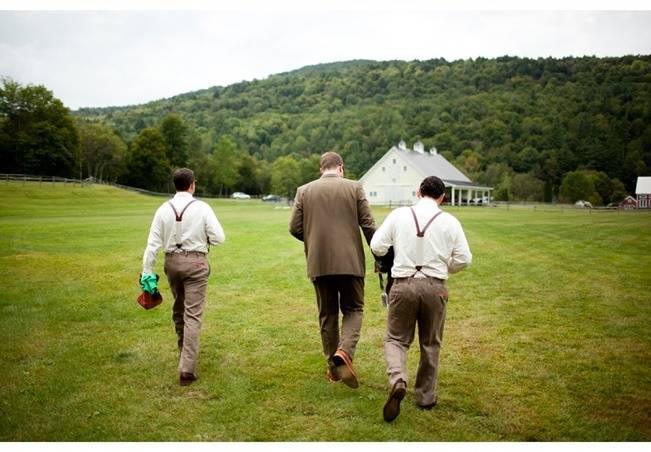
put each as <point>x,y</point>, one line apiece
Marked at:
<point>584,204</point>
<point>271,198</point>
<point>479,201</point>
<point>240,195</point>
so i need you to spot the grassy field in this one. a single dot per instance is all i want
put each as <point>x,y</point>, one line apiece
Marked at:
<point>548,334</point>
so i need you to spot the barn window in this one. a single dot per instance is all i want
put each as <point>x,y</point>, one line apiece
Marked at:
<point>413,193</point>
<point>404,168</point>
<point>383,168</point>
<point>394,160</point>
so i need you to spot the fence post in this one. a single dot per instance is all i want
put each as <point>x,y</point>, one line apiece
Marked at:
<point>40,181</point>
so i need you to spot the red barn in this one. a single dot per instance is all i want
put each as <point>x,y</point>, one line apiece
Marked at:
<point>628,203</point>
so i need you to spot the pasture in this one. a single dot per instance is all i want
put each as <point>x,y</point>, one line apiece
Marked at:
<point>547,336</point>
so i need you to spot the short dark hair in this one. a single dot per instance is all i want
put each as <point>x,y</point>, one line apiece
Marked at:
<point>331,160</point>
<point>432,187</point>
<point>183,178</point>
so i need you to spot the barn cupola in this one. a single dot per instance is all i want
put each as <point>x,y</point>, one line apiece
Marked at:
<point>419,147</point>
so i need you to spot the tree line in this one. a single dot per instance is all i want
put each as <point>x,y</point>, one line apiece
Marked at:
<point>535,129</point>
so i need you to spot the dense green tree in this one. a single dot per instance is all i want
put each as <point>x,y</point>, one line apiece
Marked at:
<point>285,176</point>
<point>176,135</point>
<point>224,163</point>
<point>37,132</point>
<point>309,168</point>
<point>527,187</point>
<point>619,191</point>
<point>602,184</point>
<point>147,164</point>
<point>577,185</point>
<point>103,153</point>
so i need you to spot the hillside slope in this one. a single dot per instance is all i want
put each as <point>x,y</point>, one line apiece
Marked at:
<point>545,116</point>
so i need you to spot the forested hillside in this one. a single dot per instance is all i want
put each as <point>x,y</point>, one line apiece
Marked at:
<point>520,125</point>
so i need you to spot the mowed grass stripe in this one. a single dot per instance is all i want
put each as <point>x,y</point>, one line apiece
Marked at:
<point>546,335</point>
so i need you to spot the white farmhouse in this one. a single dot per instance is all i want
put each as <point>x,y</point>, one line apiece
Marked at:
<point>395,178</point>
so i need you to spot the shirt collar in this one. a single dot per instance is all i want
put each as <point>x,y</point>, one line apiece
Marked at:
<point>427,201</point>
<point>182,194</point>
<point>330,175</point>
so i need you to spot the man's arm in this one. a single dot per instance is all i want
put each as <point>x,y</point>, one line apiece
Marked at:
<point>461,256</point>
<point>364,215</point>
<point>214,230</point>
<point>383,238</point>
<point>154,242</point>
<point>296,222</point>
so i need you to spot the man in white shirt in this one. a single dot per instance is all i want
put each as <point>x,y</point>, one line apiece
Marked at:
<point>185,228</point>
<point>429,244</point>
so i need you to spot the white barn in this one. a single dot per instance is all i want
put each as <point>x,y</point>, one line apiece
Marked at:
<point>395,178</point>
<point>642,191</point>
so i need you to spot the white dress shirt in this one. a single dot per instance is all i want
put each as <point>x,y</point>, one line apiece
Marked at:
<point>445,248</point>
<point>199,228</point>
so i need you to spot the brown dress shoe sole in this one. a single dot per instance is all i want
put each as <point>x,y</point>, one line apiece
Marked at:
<point>392,407</point>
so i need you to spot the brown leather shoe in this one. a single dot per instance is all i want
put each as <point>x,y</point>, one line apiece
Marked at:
<point>392,407</point>
<point>187,378</point>
<point>332,375</point>
<point>344,367</point>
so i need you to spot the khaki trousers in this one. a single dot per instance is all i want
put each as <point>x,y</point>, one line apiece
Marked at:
<point>335,293</point>
<point>414,301</point>
<point>187,273</point>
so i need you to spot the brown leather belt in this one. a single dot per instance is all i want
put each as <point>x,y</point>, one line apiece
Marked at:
<point>186,253</point>
<point>406,278</point>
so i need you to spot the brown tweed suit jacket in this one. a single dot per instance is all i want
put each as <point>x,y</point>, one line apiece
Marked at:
<point>327,215</point>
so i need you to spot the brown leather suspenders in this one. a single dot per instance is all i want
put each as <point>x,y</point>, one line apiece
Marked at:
<point>179,218</point>
<point>421,235</point>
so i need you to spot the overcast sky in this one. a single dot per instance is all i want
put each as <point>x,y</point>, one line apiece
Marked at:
<point>120,58</point>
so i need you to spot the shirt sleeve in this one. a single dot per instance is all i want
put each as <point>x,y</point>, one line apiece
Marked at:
<point>214,230</point>
<point>461,256</point>
<point>383,238</point>
<point>154,243</point>
<point>296,222</point>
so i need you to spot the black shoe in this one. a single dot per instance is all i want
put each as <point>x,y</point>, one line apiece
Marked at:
<point>392,407</point>
<point>187,378</point>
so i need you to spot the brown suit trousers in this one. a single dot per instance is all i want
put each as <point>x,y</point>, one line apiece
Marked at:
<point>414,301</point>
<point>187,274</point>
<point>335,293</point>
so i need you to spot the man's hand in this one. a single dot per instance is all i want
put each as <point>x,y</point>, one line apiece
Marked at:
<point>149,282</point>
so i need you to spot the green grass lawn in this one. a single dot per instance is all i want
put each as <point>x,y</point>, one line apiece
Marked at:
<point>548,334</point>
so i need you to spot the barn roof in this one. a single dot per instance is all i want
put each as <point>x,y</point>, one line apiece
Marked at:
<point>435,164</point>
<point>643,185</point>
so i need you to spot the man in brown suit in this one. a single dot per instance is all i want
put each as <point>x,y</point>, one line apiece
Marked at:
<point>327,215</point>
